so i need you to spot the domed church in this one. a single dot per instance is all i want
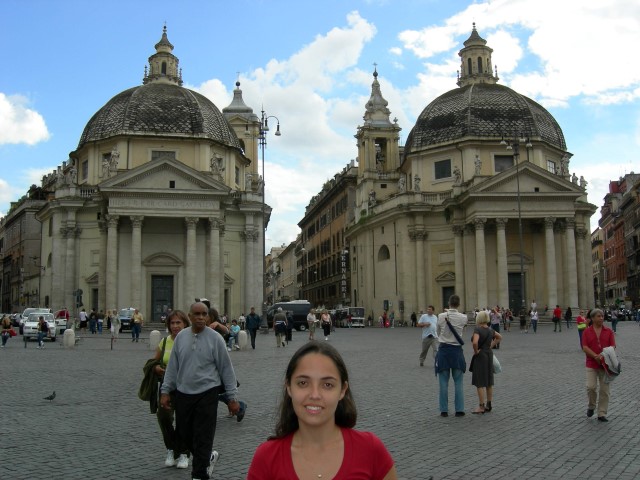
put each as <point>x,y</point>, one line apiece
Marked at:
<point>480,201</point>
<point>161,202</point>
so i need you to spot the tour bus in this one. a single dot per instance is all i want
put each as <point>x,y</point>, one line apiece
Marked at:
<point>299,310</point>
<point>350,316</point>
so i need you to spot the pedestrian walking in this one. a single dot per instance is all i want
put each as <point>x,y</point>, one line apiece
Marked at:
<point>253,324</point>
<point>325,320</point>
<point>175,322</point>
<point>581,324</point>
<point>280,327</point>
<point>199,369</point>
<point>534,321</point>
<point>312,321</point>
<point>83,321</point>
<point>115,324</point>
<point>43,331</point>
<point>594,339</point>
<point>137,321</point>
<point>414,319</point>
<point>568,317</point>
<point>557,319</point>
<point>450,360</point>
<point>314,435</point>
<point>429,324</point>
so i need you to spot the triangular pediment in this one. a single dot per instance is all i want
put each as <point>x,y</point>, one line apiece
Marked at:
<point>446,277</point>
<point>531,179</point>
<point>164,175</point>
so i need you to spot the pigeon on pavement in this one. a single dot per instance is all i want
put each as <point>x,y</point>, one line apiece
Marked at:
<point>51,397</point>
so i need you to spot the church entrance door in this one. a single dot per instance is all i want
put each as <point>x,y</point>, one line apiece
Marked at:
<point>161,295</point>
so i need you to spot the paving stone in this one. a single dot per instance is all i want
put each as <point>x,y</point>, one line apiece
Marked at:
<point>97,428</point>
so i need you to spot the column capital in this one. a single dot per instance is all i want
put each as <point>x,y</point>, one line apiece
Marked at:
<point>501,223</point>
<point>417,233</point>
<point>549,221</point>
<point>582,232</point>
<point>136,220</point>
<point>570,223</point>
<point>191,222</point>
<point>112,220</point>
<point>458,230</point>
<point>250,235</point>
<point>479,223</point>
<point>216,223</point>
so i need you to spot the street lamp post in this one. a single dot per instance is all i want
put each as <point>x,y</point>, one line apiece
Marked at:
<point>264,128</point>
<point>515,146</point>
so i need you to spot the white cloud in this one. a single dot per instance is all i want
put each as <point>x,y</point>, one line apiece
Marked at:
<point>19,123</point>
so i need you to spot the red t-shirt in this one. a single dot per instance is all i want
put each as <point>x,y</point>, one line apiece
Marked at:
<point>365,458</point>
<point>557,313</point>
<point>590,339</point>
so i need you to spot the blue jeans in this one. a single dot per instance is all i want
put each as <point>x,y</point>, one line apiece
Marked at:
<point>99,327</point>
<point>41,336</point>
<point>534,325</point>
<point>232,338</point>
<point>135,331</point>
<point>443,379</point>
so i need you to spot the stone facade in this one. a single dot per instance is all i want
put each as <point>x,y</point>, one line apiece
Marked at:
<point>160,203</point>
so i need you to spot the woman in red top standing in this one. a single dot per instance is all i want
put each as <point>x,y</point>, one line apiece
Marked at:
<point>314,437</point>
<point>581,323</point>
<point>594,339</point>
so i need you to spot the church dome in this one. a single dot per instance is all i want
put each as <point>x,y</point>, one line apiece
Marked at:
<point>159,109</point>
<point>482,110</point>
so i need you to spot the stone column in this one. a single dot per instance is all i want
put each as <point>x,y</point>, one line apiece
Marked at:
<point>458,232</point>
<point>190,274</point>
<point>213,290</point>
<point>58,254</point>
<point>418,235</point>
<point>136,260</point>
<point>112,260</point>
<point>102,271</point>
<point>583,301</point>
<point>252,266</point>
<point>503,271</point>
<point>220,272</point>
<point>572,277</point>
<point>70,282</point>
<point>481,263</point>
<point>588,272</point>
<point>550,248</point>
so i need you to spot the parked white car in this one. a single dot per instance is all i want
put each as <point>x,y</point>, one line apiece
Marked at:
<point>30,326</point>
<point>28,311</point>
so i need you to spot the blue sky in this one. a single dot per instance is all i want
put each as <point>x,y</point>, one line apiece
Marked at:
<point>310,63</point>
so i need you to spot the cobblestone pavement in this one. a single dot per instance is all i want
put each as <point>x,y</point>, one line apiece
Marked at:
<point>96,428</point>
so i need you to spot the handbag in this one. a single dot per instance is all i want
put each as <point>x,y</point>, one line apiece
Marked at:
<point>497,368</point>
<point>12,332</point>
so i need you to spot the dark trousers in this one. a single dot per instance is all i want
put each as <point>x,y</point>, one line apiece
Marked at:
<point>172,440</point>
<point>252,333</point>
<point>196,425</point>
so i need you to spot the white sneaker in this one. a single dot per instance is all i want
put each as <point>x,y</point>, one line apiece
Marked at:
<point>213,459</point>
<point>228,349</point>
<point>183,461</point>
<point>170,461</point>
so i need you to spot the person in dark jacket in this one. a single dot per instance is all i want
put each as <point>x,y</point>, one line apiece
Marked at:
<point>253,324</point>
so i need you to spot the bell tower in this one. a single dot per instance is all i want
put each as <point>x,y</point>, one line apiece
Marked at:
<point>476,64</point>
<point>163,65</point>
<point>378,149</point>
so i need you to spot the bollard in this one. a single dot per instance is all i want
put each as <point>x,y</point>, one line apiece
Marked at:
<point>69,338</point>
<point>242,339</point>
<point>154,339</point>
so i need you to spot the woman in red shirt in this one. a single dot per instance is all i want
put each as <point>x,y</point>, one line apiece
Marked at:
<point>314,436</point>
<point>581,323</point>
<point>594,339</point>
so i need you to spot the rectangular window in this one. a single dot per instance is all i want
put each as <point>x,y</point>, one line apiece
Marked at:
<point>502,162</point>
<point>237,176</point>
<point>551,166</point>
<point>442,169</point>
<point>162,155</point>
<point>84,170</point>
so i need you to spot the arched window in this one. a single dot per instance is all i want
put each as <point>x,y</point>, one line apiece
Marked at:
<point>480,65</point>
<point>469,66</point>
<point>164,68</point>
<point>383,253</point>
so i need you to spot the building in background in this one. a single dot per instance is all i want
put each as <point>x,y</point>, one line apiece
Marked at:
<point>630,212</point>
<point>322,251</point>
<point>481,202</point>
<point>160,202</point>
<point>597,262</point>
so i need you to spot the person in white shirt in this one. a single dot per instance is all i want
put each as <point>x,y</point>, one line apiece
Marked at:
<point>450,360</point>
<point>428,322</point>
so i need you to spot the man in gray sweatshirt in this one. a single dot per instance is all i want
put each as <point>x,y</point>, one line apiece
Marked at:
<point>199,369</point>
